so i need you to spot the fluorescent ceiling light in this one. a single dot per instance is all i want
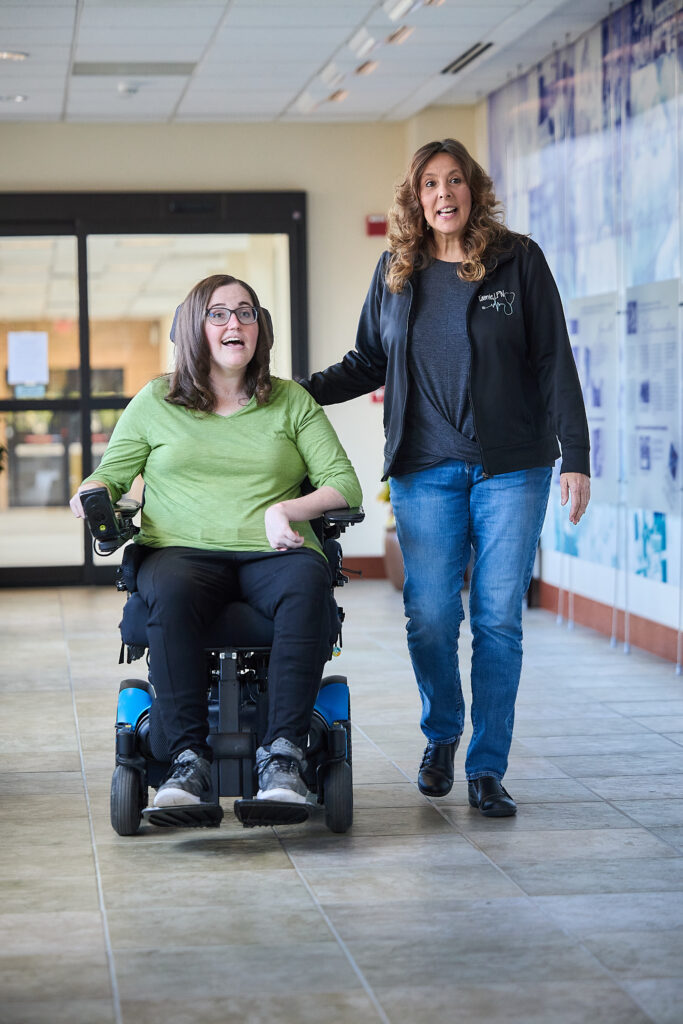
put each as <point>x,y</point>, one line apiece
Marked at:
<point>18,98</point>
<point>367,67</point>
<point>306,103</point>
<point>13,55</point>
<point>339,96</point>
<point>362,43</point>
<point>400,35</point>
<point>331,75</point>
<point>141,242</point>
<point>395,9</point>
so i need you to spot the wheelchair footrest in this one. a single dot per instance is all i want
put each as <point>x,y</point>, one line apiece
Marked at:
<point>185,816</point>
<point>269,812</point>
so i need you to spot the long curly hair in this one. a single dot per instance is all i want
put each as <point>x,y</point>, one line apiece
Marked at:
<point>411,242</point>
<point>190,383</point>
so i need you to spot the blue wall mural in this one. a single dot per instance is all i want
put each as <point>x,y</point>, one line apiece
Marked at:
<point>585,152</point>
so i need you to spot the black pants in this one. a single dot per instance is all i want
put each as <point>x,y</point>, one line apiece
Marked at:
<point>185,588</point>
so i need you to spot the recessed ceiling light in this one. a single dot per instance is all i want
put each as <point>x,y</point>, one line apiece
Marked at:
<point>339,96</point>
<point>12,55</point>
<point>17,98</point>
<point>401,34</point>
<point>367,68</point>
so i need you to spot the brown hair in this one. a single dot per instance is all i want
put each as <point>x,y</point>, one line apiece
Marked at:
<point>190,384</point>
<point>409,239</point>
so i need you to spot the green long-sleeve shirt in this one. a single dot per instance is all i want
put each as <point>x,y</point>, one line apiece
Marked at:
<point>209,479</point>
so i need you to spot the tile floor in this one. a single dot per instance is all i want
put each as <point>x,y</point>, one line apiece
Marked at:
<point>424,912</point>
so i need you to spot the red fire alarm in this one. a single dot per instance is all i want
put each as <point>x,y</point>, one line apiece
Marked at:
<point>375,224</point>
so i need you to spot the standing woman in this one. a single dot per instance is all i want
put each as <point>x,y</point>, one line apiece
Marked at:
<point>464,326</point>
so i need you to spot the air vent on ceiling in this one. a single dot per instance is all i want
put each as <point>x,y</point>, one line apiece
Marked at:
<point>133,69</point>
<point>466,58</point>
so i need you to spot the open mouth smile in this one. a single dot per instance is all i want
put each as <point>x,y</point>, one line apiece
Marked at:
<point>232,341</point>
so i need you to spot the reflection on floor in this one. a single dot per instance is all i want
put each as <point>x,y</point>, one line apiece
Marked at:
<point>424,912</point>
<point>40,536</point>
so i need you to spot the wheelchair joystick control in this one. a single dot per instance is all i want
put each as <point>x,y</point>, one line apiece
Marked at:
<point>111,526</point>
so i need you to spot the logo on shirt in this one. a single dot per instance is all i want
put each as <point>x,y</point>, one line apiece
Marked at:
<point>500,301</point>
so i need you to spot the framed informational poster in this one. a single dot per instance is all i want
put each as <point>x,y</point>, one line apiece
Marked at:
<point>652,442</point>
<point>593,333</point>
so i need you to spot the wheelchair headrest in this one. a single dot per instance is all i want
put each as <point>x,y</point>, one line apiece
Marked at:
<point>263,312</point>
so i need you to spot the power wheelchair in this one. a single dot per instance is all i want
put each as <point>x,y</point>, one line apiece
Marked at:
<point>237,651</point>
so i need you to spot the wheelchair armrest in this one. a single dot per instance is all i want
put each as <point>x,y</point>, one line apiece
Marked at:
<point>127,507</point>
<point>336,520</point>
<point>111,526</point>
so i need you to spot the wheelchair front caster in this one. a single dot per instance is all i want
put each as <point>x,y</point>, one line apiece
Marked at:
<point>126,800</point>
<point>338,796</point>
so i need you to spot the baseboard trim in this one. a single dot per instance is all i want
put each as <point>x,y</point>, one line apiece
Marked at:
<point>371,567</point>
<point>644,633</point>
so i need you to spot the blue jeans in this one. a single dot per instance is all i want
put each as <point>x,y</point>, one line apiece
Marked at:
<point>441,513</point>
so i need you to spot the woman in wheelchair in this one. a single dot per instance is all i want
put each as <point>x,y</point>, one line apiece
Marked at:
<point>223,448</point>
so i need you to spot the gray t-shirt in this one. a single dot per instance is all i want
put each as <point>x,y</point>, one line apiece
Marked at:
<point>438,422</point>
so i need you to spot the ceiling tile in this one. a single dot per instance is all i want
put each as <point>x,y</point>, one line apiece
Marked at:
<point>25,17</point>
<point>141,17</point>
<point>254,57</point>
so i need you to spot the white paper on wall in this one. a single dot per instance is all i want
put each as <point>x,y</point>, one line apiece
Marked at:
<point>27,361</point>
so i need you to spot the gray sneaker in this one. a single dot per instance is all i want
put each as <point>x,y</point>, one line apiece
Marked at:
<point>279,775</point>
<point>188,781</point>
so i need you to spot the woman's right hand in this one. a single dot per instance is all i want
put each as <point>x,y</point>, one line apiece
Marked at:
<point>76,505</point>
<point>279,532</point>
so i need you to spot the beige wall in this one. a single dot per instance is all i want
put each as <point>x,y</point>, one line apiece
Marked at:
<point>347,171</point>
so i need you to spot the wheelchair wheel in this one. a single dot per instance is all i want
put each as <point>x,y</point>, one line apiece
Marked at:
<point>126,800</point>
<point>338,796</point>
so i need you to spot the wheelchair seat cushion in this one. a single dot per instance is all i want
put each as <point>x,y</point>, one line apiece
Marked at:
<point>237,625</point>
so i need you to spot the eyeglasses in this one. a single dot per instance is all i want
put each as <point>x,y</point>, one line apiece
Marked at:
<point>220,315</point>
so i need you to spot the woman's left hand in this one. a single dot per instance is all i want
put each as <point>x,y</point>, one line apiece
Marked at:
<point>279,532</point>
<point>579,485</point>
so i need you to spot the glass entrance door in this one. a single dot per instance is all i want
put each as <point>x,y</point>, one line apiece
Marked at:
<point>84,324</point>
<point>135,283</point>
<point>40,385</point>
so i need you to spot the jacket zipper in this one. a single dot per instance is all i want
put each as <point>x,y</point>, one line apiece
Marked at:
<point>486,475</point>
<point>405,371</point>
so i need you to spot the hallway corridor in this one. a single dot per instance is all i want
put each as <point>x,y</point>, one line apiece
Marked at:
<point>424,912</point>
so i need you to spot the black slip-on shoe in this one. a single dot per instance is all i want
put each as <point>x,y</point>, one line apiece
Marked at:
<point>435,777</point>
<point>489,796</point>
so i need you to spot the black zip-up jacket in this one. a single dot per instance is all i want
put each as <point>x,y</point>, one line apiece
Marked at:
<point>524,388</point>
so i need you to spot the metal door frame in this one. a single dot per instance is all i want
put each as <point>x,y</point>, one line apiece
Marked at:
<point>80,214</point>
